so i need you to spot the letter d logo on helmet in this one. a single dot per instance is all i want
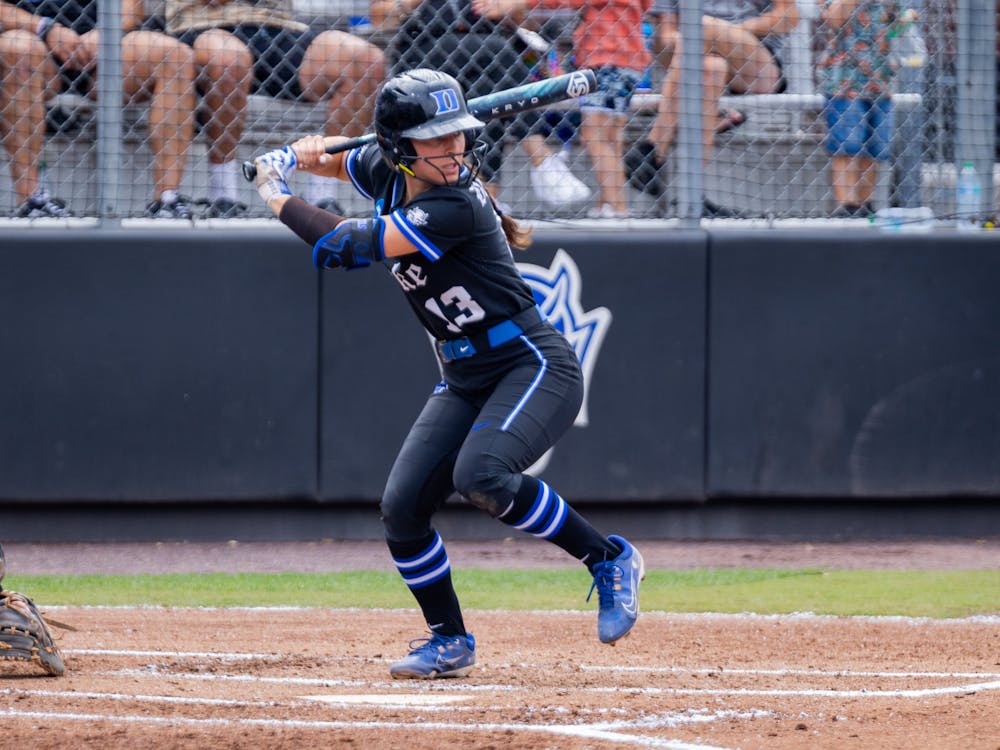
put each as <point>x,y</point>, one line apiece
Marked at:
<point>447,101</point>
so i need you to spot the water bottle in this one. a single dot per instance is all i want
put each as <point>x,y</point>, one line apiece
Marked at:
<point>43,187</point>
<point>968,198</point>
<point>908,49</point>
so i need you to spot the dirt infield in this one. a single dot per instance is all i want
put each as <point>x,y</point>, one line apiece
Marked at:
<point>178,678</point>
<point>310,678</point>
<point>330,555</point>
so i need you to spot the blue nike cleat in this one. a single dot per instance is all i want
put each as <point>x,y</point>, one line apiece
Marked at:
<point>617,584</point>
<point>437,656</point>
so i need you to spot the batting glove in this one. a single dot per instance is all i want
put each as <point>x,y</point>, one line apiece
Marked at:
<point>273,170</point>
<point>282,159</point>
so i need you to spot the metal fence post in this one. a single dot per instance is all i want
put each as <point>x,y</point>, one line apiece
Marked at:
<point>109,110</point>
<point>976,95</point>
<point>911,118</point>
<point>689,151</point>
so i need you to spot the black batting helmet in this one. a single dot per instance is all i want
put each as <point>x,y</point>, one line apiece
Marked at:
<point>420,104</point>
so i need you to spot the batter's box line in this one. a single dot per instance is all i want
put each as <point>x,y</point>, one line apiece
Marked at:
<point>664,720</point>
<point>792,672</point>
<point>564,730</point>
<point>396,704</point>
<point>279,657</point>
<point>156,673</point>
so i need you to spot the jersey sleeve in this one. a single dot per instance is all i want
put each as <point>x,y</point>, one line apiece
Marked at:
<point>437,221</point>
<point>363,165</point>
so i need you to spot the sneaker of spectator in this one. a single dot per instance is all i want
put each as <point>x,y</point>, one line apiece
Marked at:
<point>852,211</point>
<point>169,207</point>
<point>711,210</point>
<point>223,208</point>
<point>606,211</point>
<point>42,205</point>
<point>555,184</point>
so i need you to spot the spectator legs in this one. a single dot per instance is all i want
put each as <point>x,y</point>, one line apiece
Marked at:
<point>734,60</point>
<point>162,69</point>
<point>24,70</point>
<point>853,179</point>
<point>603,135</point>
<point>347,70</point>
<point>715,76</point>
<point>226,74</point>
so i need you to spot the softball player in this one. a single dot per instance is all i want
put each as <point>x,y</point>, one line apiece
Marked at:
<point>511,382</point>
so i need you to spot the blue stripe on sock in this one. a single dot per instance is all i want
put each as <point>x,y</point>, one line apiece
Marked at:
<point>547,514</point>
<point>537,508</point>
<point>426,567</point>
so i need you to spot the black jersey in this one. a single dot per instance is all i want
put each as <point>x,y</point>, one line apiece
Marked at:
<point>463,279</point>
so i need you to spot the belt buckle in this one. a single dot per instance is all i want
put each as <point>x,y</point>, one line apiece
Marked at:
<point>443,350</point>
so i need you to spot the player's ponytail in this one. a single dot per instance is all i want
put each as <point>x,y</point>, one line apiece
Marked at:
<point>517,238</point>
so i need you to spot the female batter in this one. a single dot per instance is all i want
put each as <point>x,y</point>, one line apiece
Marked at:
<point>512,383</point>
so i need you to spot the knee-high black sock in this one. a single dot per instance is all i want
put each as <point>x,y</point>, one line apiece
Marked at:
<point>538,510</point>
<point>426,571</point>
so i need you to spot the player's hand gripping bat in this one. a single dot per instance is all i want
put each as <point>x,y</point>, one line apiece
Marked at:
<point>499,104</point>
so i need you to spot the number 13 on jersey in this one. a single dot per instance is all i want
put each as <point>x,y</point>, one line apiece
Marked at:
<point>458,297</point>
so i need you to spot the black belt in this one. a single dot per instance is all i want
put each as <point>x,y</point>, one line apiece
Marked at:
<point>491,338</point>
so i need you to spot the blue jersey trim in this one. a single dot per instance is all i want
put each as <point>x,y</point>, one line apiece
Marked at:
<point>427,248</point>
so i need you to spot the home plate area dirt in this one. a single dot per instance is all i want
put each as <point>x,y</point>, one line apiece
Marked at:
<point>311,678</point>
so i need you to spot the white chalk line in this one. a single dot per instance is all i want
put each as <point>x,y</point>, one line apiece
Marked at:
<point>810,692</point>
<point>277,657</point>
<point>568,730</point>
<point>306,700</point>
<point>721,671</point>
<point>223,655</point>
<point>609,731</point>
<point>139,698</point>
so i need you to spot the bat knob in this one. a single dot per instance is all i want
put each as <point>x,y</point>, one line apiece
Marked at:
<point>249,171</point>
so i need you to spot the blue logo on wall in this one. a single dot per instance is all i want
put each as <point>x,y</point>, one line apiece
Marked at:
<point>557,290</point>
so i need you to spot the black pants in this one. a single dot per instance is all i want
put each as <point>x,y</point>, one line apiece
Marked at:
<point>478,442</point>
<point>482,64</point>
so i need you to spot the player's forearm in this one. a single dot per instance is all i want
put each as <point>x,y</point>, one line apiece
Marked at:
<point>306,220</point>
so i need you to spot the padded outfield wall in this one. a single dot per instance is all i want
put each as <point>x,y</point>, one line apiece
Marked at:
<point>158,370</point>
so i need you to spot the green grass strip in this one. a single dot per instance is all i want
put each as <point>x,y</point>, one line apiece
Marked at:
<point>938,593</point>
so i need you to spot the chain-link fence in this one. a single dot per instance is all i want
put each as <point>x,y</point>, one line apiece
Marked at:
<point>778,109</point>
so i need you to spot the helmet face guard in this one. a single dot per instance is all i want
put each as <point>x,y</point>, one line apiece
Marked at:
<point>422,104</point>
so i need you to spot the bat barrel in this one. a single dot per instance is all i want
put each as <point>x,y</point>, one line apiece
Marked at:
<point>506,103</point>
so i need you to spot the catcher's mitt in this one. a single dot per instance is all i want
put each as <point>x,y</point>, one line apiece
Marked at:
<point>24,635</point>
